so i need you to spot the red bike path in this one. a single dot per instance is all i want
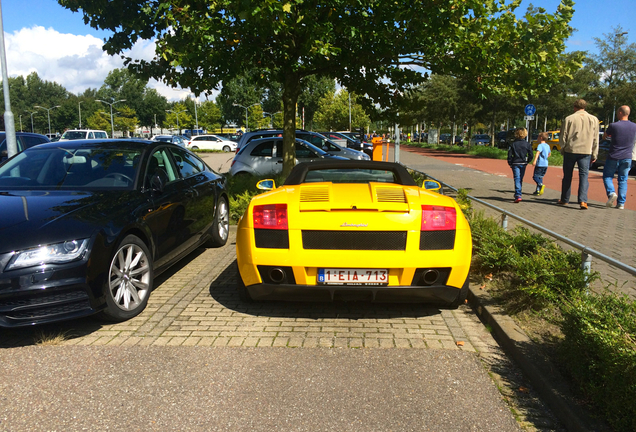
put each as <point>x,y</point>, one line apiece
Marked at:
<point>552,179</point>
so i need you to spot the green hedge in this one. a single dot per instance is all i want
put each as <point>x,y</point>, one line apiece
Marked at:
<point>598,350</point>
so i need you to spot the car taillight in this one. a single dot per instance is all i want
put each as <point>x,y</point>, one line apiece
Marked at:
<point>271,216</point>
<point>436,218</point>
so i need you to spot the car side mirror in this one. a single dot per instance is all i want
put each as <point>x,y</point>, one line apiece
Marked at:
<point>267,184</point>
<point>432,185</point>
<point>158,182</point>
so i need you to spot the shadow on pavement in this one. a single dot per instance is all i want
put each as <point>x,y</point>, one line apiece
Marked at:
<point>77,328</point>
<point>223,290</point>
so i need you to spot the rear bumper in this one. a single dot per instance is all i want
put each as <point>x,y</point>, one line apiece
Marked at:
<point>438,294</point>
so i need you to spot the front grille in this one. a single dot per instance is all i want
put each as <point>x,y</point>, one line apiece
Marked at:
<point>437,240</point>
<point>42,312</point>
<point>271,239</point>
<point>42,299</point>
<point>354,240</point>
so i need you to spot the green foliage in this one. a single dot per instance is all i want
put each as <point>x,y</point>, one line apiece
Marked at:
<point>599,351</point>
<point>333,112</point>
<point>599,345</point>
<point>241,189</point>
<point>540,270</point>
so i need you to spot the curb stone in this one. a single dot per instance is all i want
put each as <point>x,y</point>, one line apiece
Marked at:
<point>544,376</point>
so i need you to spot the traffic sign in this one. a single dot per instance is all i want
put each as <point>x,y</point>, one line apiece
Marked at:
<point>530,110</point>
<point>526,118</point>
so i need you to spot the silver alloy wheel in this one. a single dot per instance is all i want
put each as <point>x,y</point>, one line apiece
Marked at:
<point>129,277</point>
<point>223,220</point>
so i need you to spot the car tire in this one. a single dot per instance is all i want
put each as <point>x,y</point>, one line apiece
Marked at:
<point>227,149</point>
<point>129,281</point>
<point>243,294</point>
<point>463,294</point>
<point>194,148</point>
<point>221,226</point>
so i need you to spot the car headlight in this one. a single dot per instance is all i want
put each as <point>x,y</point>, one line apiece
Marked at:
<point>365,156</point>
<point>49,254</point>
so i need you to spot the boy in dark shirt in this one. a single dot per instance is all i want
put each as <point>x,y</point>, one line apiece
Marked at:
<point>519,156</point>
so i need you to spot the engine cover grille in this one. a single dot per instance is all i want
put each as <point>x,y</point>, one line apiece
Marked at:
<point>354,240</point>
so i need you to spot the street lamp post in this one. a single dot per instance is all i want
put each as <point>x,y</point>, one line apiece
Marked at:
<point>271,116</point>
<point>246,108</point>
<point>112,125</point>
<point>32,119</point>
<point>177,113</point>
<point>79,107</point>
<point>48,113</point>
<point>196,116</point>
<point>21,123</point>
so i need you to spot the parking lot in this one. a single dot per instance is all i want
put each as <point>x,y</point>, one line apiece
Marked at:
<point>196,303</point>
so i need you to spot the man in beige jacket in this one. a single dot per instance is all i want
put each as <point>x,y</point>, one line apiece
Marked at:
<point>579,145</point>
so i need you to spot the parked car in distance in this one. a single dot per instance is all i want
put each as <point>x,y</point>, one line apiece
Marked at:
<point>53,136</point>
<point>87,226</point>
<point>81,134</point>
<point>314,138</point>
<point>264,156</point>
<point>346,141</point>
<point>480,139</point>
<point>210,142</point>
<point>603,151</point>
<point>229,136</point>
<point>363,230</point>
<point>24,140</point>
<point>174,139</point>
<point>553,141</point>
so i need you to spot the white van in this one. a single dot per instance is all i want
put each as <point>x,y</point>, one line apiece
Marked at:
<point>77,134</point>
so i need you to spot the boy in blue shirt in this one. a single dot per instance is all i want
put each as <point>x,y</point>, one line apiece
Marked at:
<point>541,162</point>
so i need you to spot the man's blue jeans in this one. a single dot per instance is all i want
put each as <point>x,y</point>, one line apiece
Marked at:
<point>583,162</point>
<point>518,171</point>
<point>622,166</point>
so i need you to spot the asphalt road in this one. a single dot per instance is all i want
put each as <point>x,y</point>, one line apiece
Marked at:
<point>204,389</point>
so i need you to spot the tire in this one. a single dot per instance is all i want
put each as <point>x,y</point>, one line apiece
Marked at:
<point>226,148</point>
<point>194,148</point>
<point>243,294</point>
<point>221,226</point>
<point>130,280</point>
<point>461,297</point>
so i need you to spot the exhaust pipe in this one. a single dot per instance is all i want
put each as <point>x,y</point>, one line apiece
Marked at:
<point>277,275</point>
<point>430,277</point>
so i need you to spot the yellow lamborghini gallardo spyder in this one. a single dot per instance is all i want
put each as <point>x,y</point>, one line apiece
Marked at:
<point>353,230</point>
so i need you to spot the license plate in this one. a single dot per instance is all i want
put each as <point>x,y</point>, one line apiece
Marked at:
<point>375,277</point>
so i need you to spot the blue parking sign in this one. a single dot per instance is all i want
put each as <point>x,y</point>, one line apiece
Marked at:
<point>530,109</point>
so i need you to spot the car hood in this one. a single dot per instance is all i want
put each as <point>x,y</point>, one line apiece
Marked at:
<point>31,218</point>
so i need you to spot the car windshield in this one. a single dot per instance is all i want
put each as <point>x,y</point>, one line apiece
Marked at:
<point>350,175</point>
<point>59,168</point>
<point>74,135</point>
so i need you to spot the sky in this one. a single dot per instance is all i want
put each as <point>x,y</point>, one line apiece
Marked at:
<point>42,36</point>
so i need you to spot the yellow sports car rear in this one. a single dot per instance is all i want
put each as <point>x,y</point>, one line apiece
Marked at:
<point>353,230</point>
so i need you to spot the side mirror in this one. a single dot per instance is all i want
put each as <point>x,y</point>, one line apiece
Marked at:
<point>432,185</point>
<point>267,184</point>
<point>158,182</point>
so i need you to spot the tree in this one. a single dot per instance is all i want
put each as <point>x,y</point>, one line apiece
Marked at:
<point>365,45</point>
<point>210,116</point>
<point>178,117</point>
<point>99,120</point>
<point>126,120</point>
<point>333,112</point>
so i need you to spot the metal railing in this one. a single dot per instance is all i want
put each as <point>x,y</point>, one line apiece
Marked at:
<point>586,252</point>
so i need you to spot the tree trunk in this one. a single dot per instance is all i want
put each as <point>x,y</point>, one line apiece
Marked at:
<point>290,98</point>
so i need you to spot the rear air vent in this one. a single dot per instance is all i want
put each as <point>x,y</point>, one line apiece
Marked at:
<point>314,194</point>
<point>395,195</point>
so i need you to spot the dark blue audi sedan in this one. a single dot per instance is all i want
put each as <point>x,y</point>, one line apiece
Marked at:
<point>85,226</point>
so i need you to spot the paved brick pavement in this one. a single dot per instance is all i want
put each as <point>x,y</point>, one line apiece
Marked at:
<point>609,231</point>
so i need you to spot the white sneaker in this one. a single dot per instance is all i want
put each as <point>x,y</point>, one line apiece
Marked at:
<point>621,206</point>
<point>611,202</point>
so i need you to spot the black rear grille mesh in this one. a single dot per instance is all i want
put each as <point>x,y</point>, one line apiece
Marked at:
<point>354,240</point>
<point>437,240</point>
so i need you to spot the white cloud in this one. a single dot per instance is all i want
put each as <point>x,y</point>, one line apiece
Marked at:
<point>75,61</point>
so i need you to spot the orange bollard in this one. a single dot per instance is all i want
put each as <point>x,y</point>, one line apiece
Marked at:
<point>377,148</point>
